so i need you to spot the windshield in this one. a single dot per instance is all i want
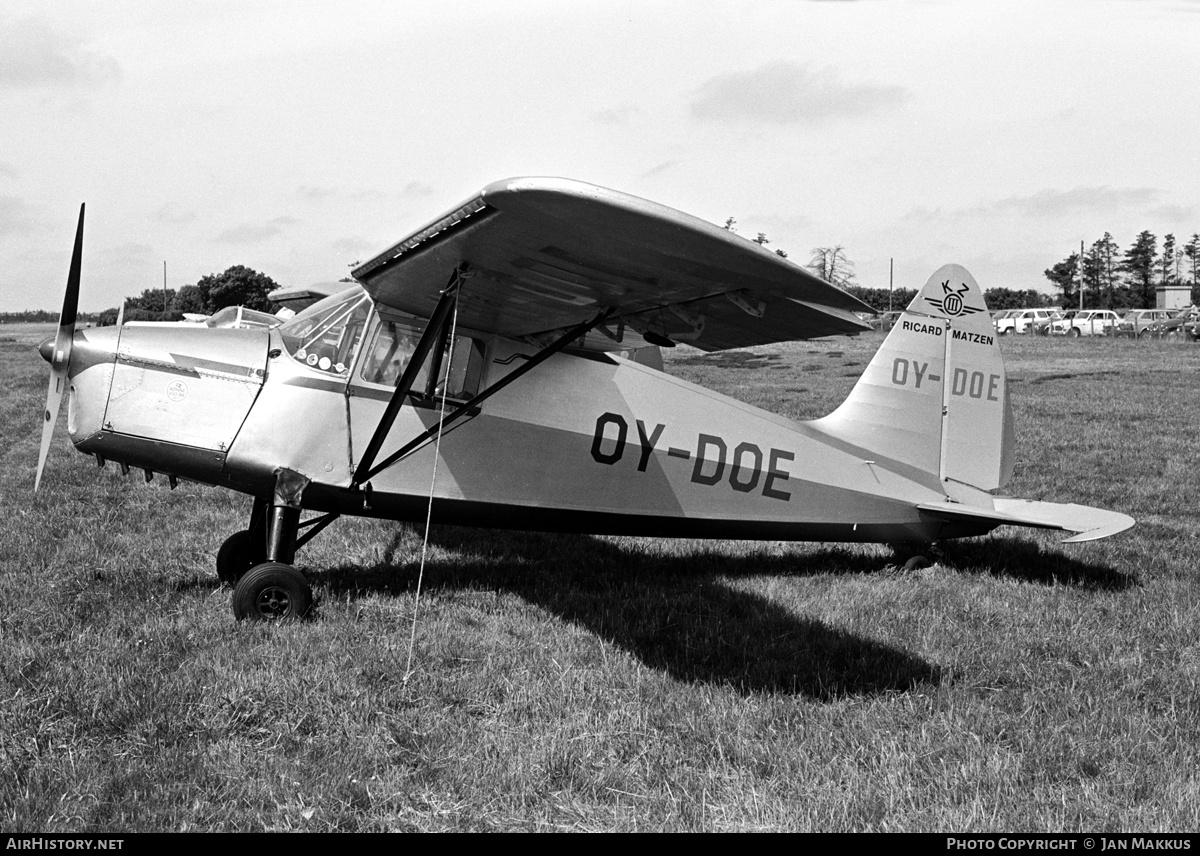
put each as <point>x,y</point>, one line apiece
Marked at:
<point>240,316</point>
<point>325,335</point>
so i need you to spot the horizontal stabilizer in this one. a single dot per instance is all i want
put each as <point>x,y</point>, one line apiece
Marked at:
<point>1089,523</point>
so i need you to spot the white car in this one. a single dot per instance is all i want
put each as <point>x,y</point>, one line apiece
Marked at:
<point>1086,322</point>
<point>1020,320</point>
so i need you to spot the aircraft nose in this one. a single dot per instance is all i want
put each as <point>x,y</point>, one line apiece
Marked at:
<point>46,349</point>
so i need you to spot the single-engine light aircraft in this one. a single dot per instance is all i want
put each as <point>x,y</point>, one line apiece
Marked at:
<point>500,367</point>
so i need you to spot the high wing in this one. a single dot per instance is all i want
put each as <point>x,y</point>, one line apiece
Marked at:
<point>545,254</point>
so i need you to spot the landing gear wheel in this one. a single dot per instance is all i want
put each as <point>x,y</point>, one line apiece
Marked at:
<point>271,591</point>
<point>237,555</point>
<point>915,555</point>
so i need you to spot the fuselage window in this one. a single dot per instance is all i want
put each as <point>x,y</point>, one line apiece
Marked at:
<point>391,347</point>
<point>325,335</point>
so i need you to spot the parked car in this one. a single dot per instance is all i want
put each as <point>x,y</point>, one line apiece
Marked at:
<point>1086,322</point>
<point>1020,320</point>
<point>1041,327</point>
<point>1002,313</point>
<point>1136,322</point>
<point>1174,325</point>
<point>886,320</point>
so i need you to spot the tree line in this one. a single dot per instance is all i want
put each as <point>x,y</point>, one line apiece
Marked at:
<point>834,266</point>
<point>1111,279</point>
<point>236,286</point>
<point>1129,280</point>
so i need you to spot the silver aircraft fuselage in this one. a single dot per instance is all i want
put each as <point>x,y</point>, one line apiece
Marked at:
<point>588,442</point>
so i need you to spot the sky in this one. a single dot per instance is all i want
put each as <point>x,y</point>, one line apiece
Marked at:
<point>300,137</point>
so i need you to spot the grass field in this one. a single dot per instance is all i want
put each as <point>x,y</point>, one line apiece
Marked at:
<point>580,683</point>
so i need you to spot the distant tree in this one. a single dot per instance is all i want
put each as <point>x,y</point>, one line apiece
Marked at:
<point>1106,270</point>
<point>1008,298</point>
<point>238,286</point>
<point>26,316</point>
<point>1168,262</point>
<point>1138,266</point>
<point>190,298</point>
<point>832,265</point>
<point>1065,276</point>
<point>880,299</point>
<point>1192,250</point>
<point>730,224</point>
<point>153,304</point>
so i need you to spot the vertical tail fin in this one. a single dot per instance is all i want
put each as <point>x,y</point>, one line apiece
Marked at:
<point>935,395</point>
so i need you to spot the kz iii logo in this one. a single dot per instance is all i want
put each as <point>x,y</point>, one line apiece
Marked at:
<point>952,303</point>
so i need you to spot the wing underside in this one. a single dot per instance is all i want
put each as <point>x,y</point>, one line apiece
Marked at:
<point>545,254</point>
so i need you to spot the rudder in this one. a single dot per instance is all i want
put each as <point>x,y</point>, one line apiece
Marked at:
<point>935,395</point>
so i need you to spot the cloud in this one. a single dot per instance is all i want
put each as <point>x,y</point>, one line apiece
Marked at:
<point>16,217</point>
<point>1174,213</point>
<point>249,233</point>
<point>315,194</point>
<point>128,250</point>
<point>619,115</point>
<point>1047,203</point>
<point>33,54</point>
<point>355,247</point>
<point>665,166</point>
<point>173,213</point>
<point>1054,203</point>
<point>785,92</point>
<point>417,188</point>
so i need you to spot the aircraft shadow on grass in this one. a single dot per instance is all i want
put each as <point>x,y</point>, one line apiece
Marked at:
<point>676,612</point>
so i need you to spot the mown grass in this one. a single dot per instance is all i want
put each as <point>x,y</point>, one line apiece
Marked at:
<point>573,682</point>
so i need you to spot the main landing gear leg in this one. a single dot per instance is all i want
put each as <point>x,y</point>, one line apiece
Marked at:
<point>274,590</point>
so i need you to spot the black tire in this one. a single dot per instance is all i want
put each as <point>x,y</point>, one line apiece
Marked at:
<point>271,591</point>
<point>916,563</point>
<point>237,555</point>
<point>1074,333</point>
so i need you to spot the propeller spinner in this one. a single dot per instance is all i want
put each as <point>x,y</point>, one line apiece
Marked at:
<point>60,358</point>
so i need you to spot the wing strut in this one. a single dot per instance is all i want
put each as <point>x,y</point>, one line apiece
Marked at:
<point>435,330</point>
<point>538,358</point>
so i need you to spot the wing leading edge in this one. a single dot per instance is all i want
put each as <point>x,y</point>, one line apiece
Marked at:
<point>548,253</point>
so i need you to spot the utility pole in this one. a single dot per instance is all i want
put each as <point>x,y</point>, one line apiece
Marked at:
<point>891,277</point>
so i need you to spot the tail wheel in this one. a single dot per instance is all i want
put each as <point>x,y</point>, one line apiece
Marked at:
<point>271,591</point>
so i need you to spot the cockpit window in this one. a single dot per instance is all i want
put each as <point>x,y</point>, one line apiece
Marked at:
<point>326,334</point>
<point>391,345</point>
